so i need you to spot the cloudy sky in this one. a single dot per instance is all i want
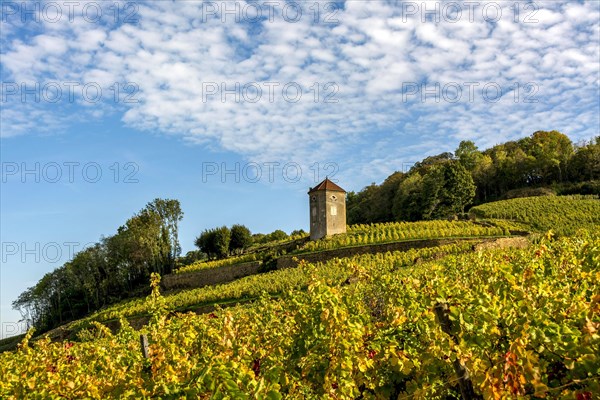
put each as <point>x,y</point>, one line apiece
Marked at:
<point>236,108</point>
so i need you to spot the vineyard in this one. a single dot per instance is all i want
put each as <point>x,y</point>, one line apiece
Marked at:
<point>563,214</point>
<point>525,323</point>
<point>397,231</point>
<point>204,265</point>
<point>272,283</point>
<point>358,235</point>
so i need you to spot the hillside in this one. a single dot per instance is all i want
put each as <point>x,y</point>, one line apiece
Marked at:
<point>117,267</point>
<point>230,290</point>
<point>364,326</point>
<point>564,215</point>
<point>373,313</point>
<point>357,235</point>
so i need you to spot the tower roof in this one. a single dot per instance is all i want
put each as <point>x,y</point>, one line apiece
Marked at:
<point>327,185</point>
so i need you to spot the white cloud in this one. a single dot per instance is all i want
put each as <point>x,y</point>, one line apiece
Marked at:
<point>371,54</point>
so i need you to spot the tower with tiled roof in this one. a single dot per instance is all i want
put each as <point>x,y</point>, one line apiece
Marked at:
<point>327,210</point>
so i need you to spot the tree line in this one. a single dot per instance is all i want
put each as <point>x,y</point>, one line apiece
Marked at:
<point>114,268</point>
<point>221,242</point>
<point>446,184</point>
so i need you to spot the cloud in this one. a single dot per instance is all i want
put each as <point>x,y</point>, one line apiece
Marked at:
<point>221,80</point>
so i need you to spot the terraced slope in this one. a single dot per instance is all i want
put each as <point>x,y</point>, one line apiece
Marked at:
<point>524,322</point>
<point>564,215</point>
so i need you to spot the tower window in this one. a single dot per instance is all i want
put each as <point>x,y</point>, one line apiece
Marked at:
<point>333,210</point>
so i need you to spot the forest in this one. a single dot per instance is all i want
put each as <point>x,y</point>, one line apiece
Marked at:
<point>448,183</point>
<point>114,268</point>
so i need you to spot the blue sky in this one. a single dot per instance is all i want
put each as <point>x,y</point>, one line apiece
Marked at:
<point>160,98</point>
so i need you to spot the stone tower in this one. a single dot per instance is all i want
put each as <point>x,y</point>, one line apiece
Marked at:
<point>327,210</point>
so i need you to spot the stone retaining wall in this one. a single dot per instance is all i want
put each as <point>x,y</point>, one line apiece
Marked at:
<point>211,276</point>
<point>322,256</point>
<point>230,273</point>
